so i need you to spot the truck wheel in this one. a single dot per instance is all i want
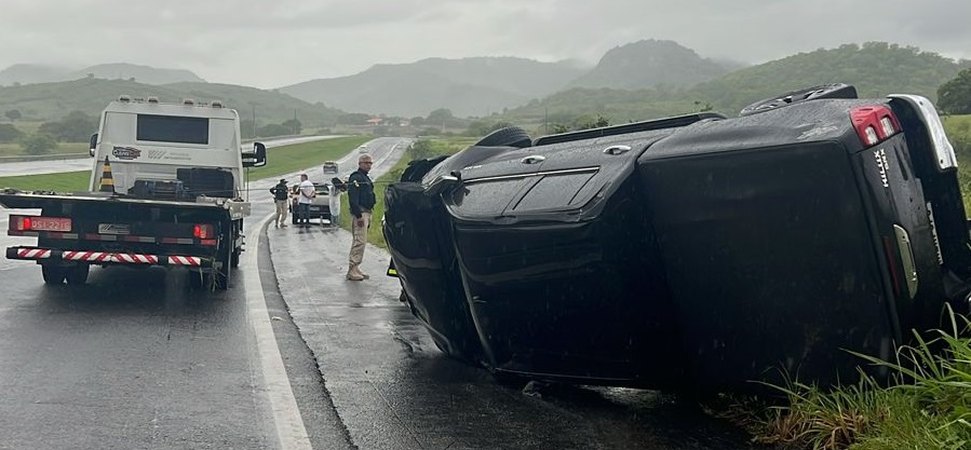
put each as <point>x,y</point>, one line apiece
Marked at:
<point>52,274</point>
<point>235,259</point>
<point>506,137</point>
<point>77,275</point>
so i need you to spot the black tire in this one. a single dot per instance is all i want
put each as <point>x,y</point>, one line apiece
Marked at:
<point>834,90</point>
<point>497,142</point>
<point>234,263</point>
<point>77,275</point>
<point>53,275</point>
<point>506,137</point>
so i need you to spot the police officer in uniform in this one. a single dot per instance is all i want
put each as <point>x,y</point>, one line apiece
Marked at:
<point>281,196</point>
<point>360,197</point>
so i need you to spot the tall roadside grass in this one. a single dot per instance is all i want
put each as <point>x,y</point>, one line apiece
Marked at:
<point>958,130</point>
<point>927,406</point>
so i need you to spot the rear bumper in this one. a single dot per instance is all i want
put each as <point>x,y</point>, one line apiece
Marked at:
<point>105,258</point>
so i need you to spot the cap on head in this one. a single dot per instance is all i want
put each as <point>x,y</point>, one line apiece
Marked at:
<point>283,180</point>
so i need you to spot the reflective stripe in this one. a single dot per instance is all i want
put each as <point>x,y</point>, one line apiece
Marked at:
<point>194,261</point>
<point>72,255</point>
<point>143,239</point>
<point>33,253</point>
<point>134,258</point>
<point>187,241</point>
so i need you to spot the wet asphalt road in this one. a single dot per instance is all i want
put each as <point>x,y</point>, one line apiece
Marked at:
<point>138,360</point>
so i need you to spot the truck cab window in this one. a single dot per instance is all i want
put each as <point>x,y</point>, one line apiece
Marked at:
<point>184,130</point>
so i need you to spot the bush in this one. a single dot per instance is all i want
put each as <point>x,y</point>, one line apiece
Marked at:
<point>273,129</point>
<point>9,133</point>
<point>38,144</point>
<point>75,127</point>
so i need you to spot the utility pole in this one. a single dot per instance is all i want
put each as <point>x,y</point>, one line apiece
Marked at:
<point>254,120</point>
<point>546,121</point>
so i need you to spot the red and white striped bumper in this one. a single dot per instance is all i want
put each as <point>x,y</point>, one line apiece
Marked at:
<point>34,253</point>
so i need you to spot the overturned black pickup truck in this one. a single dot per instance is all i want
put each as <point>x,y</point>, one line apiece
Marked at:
<point>693,252</point>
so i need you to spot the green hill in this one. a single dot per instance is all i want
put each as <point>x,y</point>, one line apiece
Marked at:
<point>875,68</point>
<point>650,63</point>
<point>49,101</point>
<point>467,86</point>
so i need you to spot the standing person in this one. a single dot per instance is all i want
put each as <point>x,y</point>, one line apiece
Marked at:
<point>306,194</point>
<point>360,197</point>
<point>281,196</point>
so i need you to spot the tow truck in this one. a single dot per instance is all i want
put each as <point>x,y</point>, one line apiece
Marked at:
<point>166,189</point>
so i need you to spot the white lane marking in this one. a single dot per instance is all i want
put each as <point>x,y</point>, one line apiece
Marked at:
<point>286,415</point>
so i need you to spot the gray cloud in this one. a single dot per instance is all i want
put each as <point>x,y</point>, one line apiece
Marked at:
<point>270,44</point>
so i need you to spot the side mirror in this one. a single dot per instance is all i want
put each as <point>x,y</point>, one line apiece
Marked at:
<point>93,144</point>
<point>257,158</point>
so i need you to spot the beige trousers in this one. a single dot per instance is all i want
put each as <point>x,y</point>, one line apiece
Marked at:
<point>360,240</point>
<point>281,212</point>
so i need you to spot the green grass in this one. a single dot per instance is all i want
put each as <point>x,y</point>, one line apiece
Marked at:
<point>291,158</point>
<point>928,405</point>
<point>959,132</point>
<point>11,149</point>
<point>281,160</point>
<point>58,182</point>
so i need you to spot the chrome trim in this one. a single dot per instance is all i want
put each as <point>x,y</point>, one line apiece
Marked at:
<point>533,159</point>
<point>937,241</point>
<point>617,149</point>
<point>534,174</point>
<point>946,159</point>
<point>907,259</point>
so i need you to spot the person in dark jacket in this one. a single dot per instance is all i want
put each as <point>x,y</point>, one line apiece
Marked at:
<point>360,197</point>
<point>281,196</point>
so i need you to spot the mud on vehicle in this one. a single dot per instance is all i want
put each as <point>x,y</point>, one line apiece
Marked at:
<point>692,252</point>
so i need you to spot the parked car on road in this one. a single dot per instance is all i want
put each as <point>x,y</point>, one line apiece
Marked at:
<point>325,206</point>
<point>691,252</point>
<point>330,167</point>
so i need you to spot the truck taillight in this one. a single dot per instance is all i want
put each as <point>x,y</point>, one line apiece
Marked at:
<point>202,231</point>
<point>20,223</point>
<point>874,124</point>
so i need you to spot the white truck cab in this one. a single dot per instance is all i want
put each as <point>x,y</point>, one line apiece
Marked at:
<point>148,143</point>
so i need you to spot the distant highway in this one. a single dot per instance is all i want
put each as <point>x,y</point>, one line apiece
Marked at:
<point>78,164</point>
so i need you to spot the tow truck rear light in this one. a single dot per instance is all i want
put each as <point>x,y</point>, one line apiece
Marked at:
<point>20,223</point>
<point>874,124</point>
<point>39,223</point>
<point>203,231</point>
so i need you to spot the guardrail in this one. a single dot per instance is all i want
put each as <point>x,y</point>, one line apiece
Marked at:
<point>54,157</point>
<point>62,156</point>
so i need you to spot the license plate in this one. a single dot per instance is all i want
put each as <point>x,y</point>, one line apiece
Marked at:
<point>113,228</point>
<point>50,224</point>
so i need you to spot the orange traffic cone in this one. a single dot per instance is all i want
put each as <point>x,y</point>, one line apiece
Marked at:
<point>107,182</point>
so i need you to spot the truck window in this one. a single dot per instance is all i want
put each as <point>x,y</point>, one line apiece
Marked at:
<point>185,130</point>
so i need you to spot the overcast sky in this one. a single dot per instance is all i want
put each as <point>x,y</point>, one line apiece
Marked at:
<point>275,43</point>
